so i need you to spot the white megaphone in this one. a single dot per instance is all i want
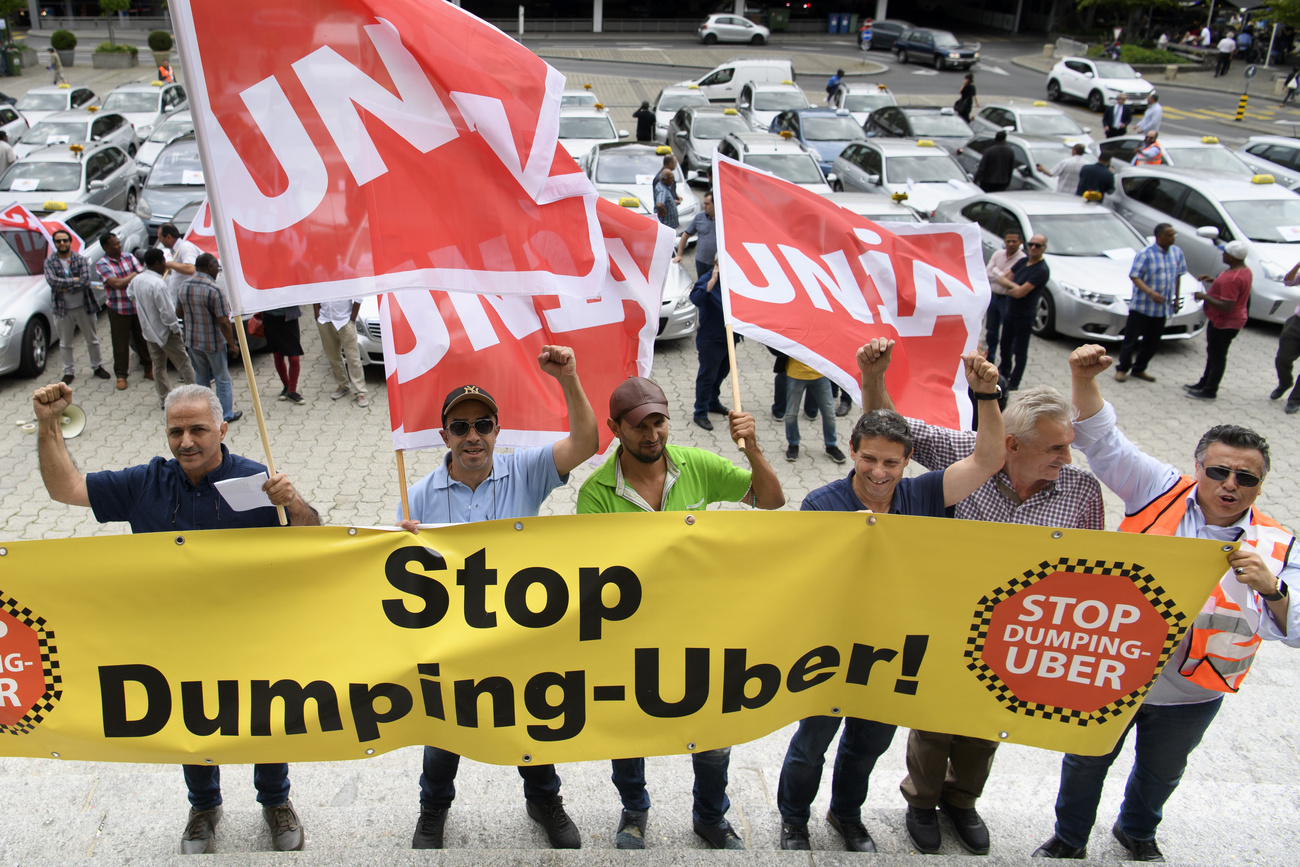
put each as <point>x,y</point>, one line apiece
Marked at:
<point>73,421</point>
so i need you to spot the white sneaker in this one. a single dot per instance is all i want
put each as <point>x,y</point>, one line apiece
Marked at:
<point>362,400</point>
<point>339,392</point>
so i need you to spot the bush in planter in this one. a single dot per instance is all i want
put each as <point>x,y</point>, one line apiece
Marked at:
<point>160,40</point>
<point>63,40</point>
<point>113,48</point>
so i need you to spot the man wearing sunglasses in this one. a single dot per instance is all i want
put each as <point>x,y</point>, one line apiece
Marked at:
<point>474,484</point>
<point>1250,603</point>
<point>75,305</point>
<point>1026,276</point>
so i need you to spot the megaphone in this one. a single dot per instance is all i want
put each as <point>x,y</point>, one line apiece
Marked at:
<point>73,421</point>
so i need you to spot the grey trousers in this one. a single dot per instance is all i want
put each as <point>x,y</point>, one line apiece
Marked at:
<point>77,317</point>
<point>340,344</point>
<point>173,349</point>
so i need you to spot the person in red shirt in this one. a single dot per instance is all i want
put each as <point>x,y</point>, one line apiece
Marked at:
<point>1225,307</point>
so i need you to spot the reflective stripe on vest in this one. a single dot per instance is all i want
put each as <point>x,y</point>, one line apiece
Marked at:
<point>1224,639</point>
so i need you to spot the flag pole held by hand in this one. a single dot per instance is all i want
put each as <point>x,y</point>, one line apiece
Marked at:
<point>257,406</point>
<point>735,380</point>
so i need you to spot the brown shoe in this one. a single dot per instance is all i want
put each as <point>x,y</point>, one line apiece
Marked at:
<point>121,383</point>
<point>148,374</point>
<point>1144,376</point>
<point>1120,376</point>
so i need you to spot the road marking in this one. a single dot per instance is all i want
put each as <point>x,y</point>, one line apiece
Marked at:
<point>996,70</point>
<point>925,72</point>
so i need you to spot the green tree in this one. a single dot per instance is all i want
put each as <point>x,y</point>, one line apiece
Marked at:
<point>7,10</point>
<point>110,8</point>
<point>1285,12</point>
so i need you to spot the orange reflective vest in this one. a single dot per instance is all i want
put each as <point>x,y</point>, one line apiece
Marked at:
<point>1224,637</point>
<point>1149,160</point>
<point>165,73</point>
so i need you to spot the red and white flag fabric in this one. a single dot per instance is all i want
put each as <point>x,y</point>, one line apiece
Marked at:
<point>816,281</point>
<point>201,232</point>
<point>18,217</point>
<point>437,341</point>
<point>362,146</point>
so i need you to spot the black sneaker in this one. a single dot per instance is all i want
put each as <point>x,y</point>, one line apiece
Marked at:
<point>856,837</point>
<point>284,394</point>
<point>428,828</point>
<point>631,829</point>
<point>792,453</point>
<point>296,397</point>
<point>844,408</point>
<point>1198,394</point>
<point>286,828</point>
<point>559,828</point>
<point>1292,408</point>
<point>923,828</point>
<point>794,837</point>
<point>971,830</point>
<point>67,380</point>
<point>200,837</point>
<point>703,421</point>
<point>101,373</point>
<point>1279,391</point>
<point>836,455</point>
<point>720,836</point>
<point>1138,850</point>
<point>1056,848</point>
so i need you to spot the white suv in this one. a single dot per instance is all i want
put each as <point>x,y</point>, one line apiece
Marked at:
<point>732,28</point>
<point>1097,82</point>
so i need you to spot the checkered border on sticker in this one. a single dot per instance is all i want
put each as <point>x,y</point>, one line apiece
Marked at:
<point>49,662</point>
<point>1154,593</point>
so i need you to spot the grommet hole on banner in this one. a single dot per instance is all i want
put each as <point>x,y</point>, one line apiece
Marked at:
<point>1004,735</point>
<point>180,540</point>
<point>835,710</point>
<point>55,755</point>
<point>1227,549</point>
<point>527,758</point>
<point>690,519</point>
<point>519,525</point>
<point>1056,534</point>
<point>370,752</point>
<point>352,531</point>
<point>691,745</point>
<point>4,552</point>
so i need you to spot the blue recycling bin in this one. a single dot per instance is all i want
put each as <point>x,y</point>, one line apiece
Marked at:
<point>833,23</point>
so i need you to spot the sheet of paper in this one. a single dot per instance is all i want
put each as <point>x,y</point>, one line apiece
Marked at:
<point>244,494</point>
<point>190,176</point>
<point>1120,254</point>
<point>1290,233</point>
<point>24,185</point>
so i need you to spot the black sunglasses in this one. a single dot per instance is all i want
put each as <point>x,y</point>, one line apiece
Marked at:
<point>1032,244</point>
<point>1246,480</point>
<point>460,427</point>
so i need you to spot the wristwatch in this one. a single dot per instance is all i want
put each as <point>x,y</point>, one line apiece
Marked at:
<point>997,395</point>
<point>1277,595</point>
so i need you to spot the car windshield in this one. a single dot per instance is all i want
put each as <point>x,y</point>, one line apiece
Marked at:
<point>42,102</point>
<point>1212,159</point>
<point>779,100</point>
<point>25,177</point>
<point>795,168</point>
<point>1087,234</point>
<point>1049,124</point>
<point>935,169</point>
<point>177,166</point>
<point>714,128</point>
<point>173,127</point>
<point>867,101</point>
<point>587,127</point>
<point>1269,221</point>
<point>1047,155</point>
<point>944,39</point>
<point>674,101</point>
<point>832,129</point>
<point>936,124</point>
<point>135,101</point>
<point>629,168</point>
<point>1114,69</point>
<point>578,99</point>
<point>66,132</point>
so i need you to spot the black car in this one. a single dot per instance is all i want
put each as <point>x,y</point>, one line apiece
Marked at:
<point>943,126</point>
<point>937,48</point>
<point>885,33</point>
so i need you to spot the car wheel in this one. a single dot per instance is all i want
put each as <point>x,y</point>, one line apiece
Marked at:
<point>1044,314</point>
<point>131,198</point>
<point>938,62</point>
<point>1054,90</point>
<point>710,39</point>
<point>35,348</point>
<point>757,40</point>
<point>901,54</point>
<point>1096,102</point>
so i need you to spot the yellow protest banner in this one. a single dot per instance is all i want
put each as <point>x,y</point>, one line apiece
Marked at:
<point>561,639</point>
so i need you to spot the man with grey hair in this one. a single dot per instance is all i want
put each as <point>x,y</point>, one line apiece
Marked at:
<point>175,496</point>
<point>1250,603</point>
<point>1036,485</point>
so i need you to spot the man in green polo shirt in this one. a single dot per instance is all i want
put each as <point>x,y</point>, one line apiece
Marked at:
<point>646,474</point>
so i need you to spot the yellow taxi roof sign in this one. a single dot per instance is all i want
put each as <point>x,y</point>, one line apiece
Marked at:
<point>1038,103</point>
<point>598,106</point>
<point>156,83</point>
<point>899,197</point>
<point>586,87</point>
<point>787,81</point>
<point>92,108</point>
<point>629,202</point>
<point>882,87</point>
<point>64,86</point>
<point>1262,179</point>
<point>54,206</point>
<point>924,143</point>
<point>663,150</point>
<point>785,133</point>
<point>692,87</point>
<point>1209,139</point>
<point>729,111</point>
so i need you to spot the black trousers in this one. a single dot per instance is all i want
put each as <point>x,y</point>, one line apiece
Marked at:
<point>126,333</point>
<point>1217,341</point>
<point>1142,335</point>
<point>1221,66</point>
<point>1288,350</point>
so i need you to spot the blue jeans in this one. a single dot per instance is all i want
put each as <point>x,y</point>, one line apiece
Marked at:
<point>711,802</point>
<point>204,783</point>
<point>1166,736</point>
<point>212,367</point>
<point>993,324</point>
<point>714,367</point>
<point>820,389</point>
<point>862,743</point>
<point>438,781</point>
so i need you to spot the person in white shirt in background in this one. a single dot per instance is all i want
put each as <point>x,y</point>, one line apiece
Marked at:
<point>1000,263</point>
<point>156,307</point>
<point>337,321</point>
<point>180,267</point>
<point>1067,170</point>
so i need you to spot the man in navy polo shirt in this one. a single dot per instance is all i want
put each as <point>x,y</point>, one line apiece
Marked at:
<point>473,484</point>
<point>179,495</point>
<point>881,445</point>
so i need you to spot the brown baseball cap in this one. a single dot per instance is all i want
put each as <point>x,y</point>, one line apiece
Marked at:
<point>464,393</point>
<point>636,398</point>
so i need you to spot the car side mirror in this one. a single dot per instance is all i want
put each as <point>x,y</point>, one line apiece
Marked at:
<point>1209,232</point>
<point>1023,170</point>
<point>832,178</point>
<point>622,133</point>
<point>1087,75</point>
<point>681,134</point>
<point>97,185</point>
<point>873,179</point>
<point>1087,129</point>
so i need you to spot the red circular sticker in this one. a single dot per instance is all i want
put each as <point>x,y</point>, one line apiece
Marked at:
<point>22,672</point>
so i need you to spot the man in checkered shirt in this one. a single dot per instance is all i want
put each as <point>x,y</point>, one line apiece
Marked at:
<point>208,335</point>
<point>1038,486</point>
<point>75,304</point>
<point>117,269</point>
<point>1155,275</point>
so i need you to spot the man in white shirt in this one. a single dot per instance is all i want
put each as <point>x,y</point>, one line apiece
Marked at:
<point>1067,170</point>
<point>1227,48</point>
<point>337,321</point>
<point>1205,36</point>
<point>1150,121</point>
<point>181,265</point>
<point>1000,263</point>
<point>156,308</point>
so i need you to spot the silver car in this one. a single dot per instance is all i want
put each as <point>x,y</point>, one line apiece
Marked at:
<point>1089,251</point>
<point>179,124</point>
<point>584,127</point>
<point>78,127</point>
<point>875,207</point>
<point>42,101</point>
<point>670,101</point>
<point>921,173</point>
<point>1030,152</point>
<point>97,173</point>
<point>147,104</point>
<point>1038,119</point>
<point>26,305</point>
<point>861,98</point>
<point>1201,153</point>
<point>1208,211</point>
<point>1274,155</point>
<point>627,170</point>
<point>759,103</point>
<point>696,130</point>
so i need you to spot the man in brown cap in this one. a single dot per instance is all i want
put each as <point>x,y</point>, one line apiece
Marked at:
<point>646,474</point>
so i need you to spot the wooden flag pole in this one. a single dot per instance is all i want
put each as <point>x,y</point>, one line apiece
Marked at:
<point>257,406</point>
<point>401,485</point>
<point>735,380</point>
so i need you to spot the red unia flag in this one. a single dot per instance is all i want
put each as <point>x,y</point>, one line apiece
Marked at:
<point>815,281</point>
<point>18,217</point>
<point>201,232</point>
<point>361,146</point>
<point>437,341</point>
